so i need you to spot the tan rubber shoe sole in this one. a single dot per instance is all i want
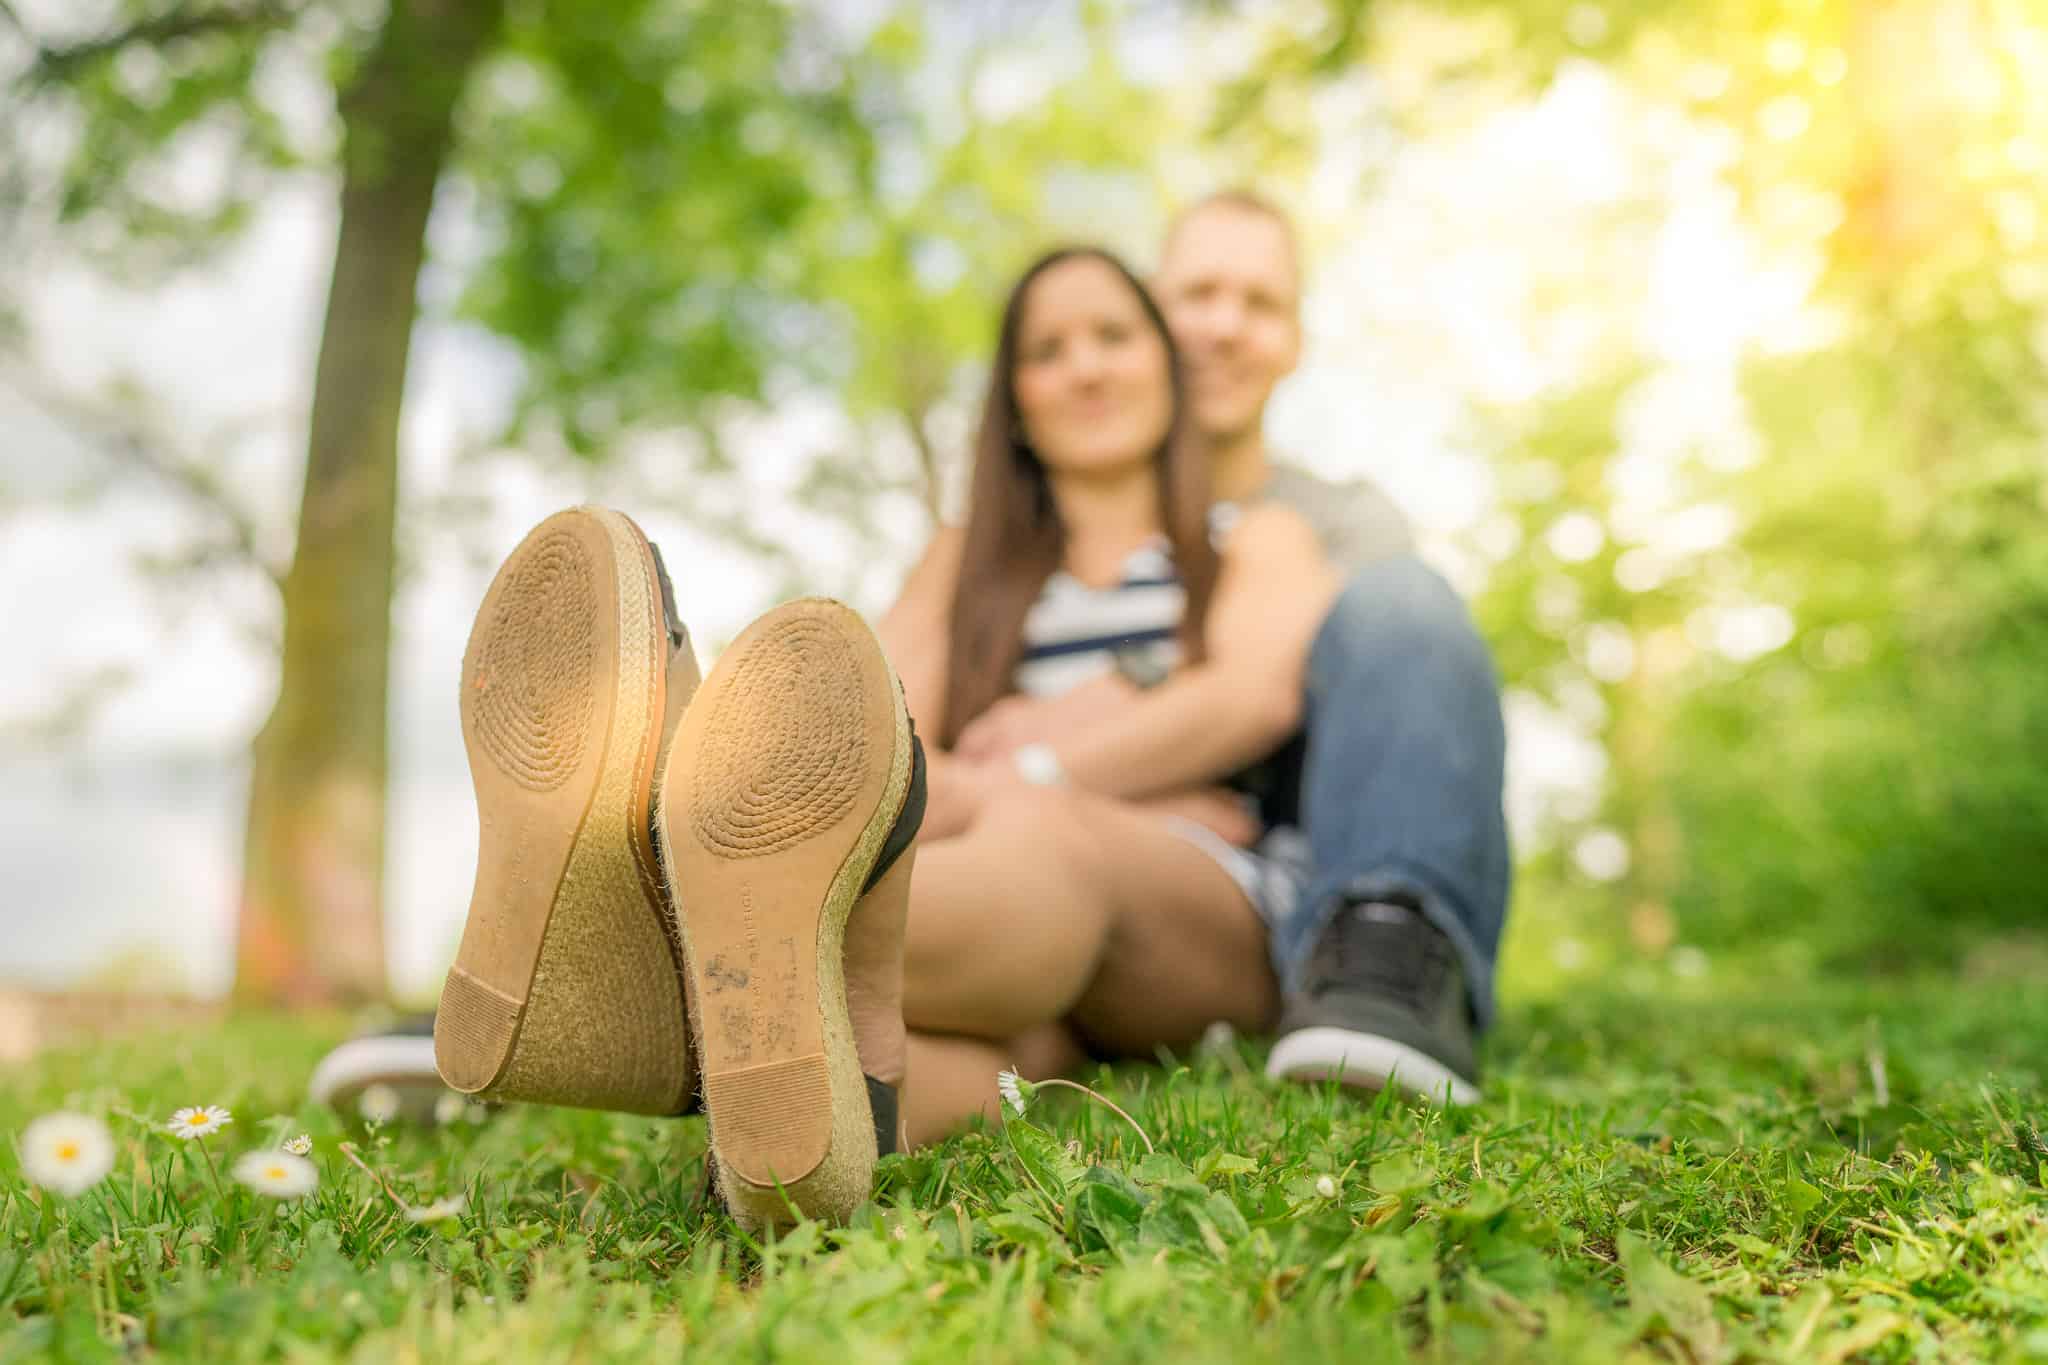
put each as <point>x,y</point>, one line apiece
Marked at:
<point>567,988</point>
<point>786,776</point>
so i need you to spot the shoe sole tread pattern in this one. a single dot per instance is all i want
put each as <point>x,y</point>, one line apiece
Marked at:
<point>567,986</point>
<point>785,779</point>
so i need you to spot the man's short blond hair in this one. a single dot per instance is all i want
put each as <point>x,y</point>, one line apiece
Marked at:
<point>1240,200</point>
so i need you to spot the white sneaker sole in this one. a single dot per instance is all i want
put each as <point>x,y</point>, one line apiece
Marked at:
<point>405,1064</point>
<point>1368,1062</point>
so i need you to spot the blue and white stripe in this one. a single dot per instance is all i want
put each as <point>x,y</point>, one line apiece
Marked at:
<point>1074,632</point>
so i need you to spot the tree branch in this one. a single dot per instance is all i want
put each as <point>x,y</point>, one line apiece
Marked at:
<point>56,64</point>
<point>130,442</point>
<point>76,702</point>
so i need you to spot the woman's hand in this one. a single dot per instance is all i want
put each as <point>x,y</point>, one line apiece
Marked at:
<point>1016,720</point>
<point>956,792</point>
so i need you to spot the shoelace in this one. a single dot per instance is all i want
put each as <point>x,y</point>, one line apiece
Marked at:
<point>1386,948</point>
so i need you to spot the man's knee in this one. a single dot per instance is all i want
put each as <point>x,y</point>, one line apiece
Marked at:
<point>1398,609</point>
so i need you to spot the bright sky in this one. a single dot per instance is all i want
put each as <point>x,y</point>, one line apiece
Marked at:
<point>1439,289</point>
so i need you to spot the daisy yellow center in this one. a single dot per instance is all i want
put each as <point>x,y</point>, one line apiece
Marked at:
<point>67,1150</point>
<point>275,1172</point>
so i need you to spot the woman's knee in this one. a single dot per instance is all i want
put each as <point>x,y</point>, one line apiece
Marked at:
<point>1047,1051</point>
<point>1048,822</point>
<point>1023,886</point>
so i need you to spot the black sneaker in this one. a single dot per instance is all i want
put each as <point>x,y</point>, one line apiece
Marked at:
<point>1382,1003</point>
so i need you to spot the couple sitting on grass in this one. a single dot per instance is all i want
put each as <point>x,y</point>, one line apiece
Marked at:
<point>1130,756</point>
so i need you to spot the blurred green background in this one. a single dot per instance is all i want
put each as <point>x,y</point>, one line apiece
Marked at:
<point>1703,341</point>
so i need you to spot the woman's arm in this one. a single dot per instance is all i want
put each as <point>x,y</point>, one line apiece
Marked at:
<point>916,632</point>
<point>1244,700</point>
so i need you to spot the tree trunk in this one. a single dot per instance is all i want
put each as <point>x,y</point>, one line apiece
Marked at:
<point>313,859</point>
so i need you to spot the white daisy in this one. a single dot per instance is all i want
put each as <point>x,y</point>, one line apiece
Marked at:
<point>450,1107</point>
<point>447,1207</point>
<point>379,1103</point>
<point>1015,1089</point>
<point>68,1153</point>
<point>300,1145</point>
<point>280,1175</point>
<point>1326,1187</point>
<point>199,1120</point>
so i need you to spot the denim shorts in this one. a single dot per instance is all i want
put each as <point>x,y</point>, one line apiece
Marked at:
<point>1273,873</point>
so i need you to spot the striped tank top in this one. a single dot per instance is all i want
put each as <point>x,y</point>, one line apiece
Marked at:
<point>1074,633</point>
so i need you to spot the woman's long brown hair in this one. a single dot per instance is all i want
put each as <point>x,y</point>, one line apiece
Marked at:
<point>1014,536</point>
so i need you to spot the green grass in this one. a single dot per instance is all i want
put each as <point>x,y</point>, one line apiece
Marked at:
<point>1651,1177</point>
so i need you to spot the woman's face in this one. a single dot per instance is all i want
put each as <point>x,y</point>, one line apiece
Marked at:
<point>1091,380</point>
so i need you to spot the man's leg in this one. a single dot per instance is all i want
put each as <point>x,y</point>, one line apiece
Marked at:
<point>1401,800</point>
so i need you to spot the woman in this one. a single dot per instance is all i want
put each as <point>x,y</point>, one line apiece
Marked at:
<point>721,889</point>
<point>1117,928</point>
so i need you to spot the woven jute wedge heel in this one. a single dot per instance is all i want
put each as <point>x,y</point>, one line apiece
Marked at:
<point>567,988</point>
<point>793,787</point>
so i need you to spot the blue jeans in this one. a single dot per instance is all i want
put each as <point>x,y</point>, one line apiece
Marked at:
<point>1401,793</point>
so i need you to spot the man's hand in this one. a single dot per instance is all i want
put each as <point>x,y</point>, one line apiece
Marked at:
<point>1016,721</point>
<point>1244,698</point>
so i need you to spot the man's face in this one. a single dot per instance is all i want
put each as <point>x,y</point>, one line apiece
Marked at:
<point>1229,290</point>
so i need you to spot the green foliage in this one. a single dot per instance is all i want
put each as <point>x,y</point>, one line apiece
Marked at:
<point>1859,794</point>
<point>666,206</point>
<point>1714,1181</point>
<point>1852,781</point>
<point>1900,809</point>
<point>646,173</point>
<point>916,287</point>
<point>115,120</point>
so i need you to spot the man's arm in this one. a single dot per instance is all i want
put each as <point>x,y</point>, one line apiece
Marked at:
<point>1239,704</point>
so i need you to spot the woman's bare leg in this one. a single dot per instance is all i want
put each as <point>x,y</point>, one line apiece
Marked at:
<point>1012,923</point>
<point>954,1078</point>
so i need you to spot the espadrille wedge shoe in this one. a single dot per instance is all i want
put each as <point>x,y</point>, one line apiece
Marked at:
<point>567,988</point>
<point>789,805</point>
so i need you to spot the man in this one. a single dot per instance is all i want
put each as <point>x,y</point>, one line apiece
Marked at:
<point>1387,960</point>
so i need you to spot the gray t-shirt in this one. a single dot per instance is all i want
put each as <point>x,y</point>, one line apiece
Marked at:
<point>1356,521</point>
